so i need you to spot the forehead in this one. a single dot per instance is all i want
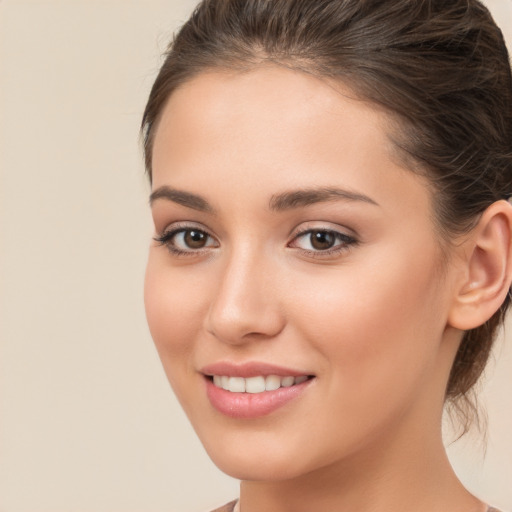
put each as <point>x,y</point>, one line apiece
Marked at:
<point>277,128</point>
<point>272,89</point>
<point>269,106</point>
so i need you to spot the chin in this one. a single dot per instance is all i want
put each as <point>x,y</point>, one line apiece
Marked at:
<point>257,456</point>
<point>257,468</point>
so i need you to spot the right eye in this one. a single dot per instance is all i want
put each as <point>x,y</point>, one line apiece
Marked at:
<point>186,240</point>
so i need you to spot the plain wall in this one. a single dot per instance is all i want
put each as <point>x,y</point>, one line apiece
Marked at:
<point>87,420</point>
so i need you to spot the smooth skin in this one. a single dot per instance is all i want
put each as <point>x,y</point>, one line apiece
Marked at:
<point>355,287</point>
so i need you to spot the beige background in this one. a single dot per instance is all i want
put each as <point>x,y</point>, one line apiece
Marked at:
<point>87,421</point>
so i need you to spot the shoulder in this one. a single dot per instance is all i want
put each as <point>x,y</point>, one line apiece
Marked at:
<point>230,507</point>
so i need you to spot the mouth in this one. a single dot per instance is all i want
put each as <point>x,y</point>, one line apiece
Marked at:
<point>257,384</point>
<point>254,389</point>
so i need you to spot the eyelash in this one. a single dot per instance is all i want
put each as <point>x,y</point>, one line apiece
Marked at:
<point>347,241</point>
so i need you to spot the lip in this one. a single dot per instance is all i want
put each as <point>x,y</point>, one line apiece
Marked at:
<point>250,369</point>
<point>249,405</point>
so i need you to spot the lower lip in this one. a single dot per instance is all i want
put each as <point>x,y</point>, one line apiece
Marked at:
<point>252,405</point>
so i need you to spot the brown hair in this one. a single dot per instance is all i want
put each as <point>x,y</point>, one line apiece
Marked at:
<point>440,67</point>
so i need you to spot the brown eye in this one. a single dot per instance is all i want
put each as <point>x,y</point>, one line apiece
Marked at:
<point>187,240</point>
<point>322,240</point>
<point>195,239</point>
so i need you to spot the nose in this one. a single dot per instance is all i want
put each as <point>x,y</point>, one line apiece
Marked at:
<point>245,305</point>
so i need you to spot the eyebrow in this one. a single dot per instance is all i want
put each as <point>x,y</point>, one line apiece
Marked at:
<point>278,202</point>
<point>307,197</point>
<point>187,199</point>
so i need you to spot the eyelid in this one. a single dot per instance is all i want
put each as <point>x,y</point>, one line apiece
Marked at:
<point>307,227</point>
<point>174,226</point>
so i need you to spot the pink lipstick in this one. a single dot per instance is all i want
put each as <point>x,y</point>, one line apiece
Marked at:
<point>254,389</point>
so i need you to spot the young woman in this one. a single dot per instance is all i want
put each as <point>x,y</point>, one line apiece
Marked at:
<point>332,252</point>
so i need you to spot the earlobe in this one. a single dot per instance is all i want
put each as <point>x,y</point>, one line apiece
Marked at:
<point>487,272</point>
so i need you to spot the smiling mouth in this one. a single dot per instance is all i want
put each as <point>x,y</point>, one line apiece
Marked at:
<point>257,384</point>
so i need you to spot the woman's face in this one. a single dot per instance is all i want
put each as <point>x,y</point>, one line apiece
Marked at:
<point>294,249</point>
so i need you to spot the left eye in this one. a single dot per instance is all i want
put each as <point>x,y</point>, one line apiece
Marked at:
<point>321,240</point>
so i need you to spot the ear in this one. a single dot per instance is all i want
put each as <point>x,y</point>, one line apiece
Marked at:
<point>486,269</point>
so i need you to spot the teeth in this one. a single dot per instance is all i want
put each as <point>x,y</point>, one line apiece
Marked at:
<point>257,384</point>
<point>237,384</point>
<point>272,382</point>
<point>286,382</point>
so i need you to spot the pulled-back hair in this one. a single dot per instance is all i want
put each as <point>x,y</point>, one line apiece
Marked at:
<point>440,68</point>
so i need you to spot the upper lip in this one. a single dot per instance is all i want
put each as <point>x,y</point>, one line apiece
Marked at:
<point>249,369</point>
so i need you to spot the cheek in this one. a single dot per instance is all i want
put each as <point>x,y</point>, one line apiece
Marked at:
<point>378,327</point>
<point>174,301</point>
